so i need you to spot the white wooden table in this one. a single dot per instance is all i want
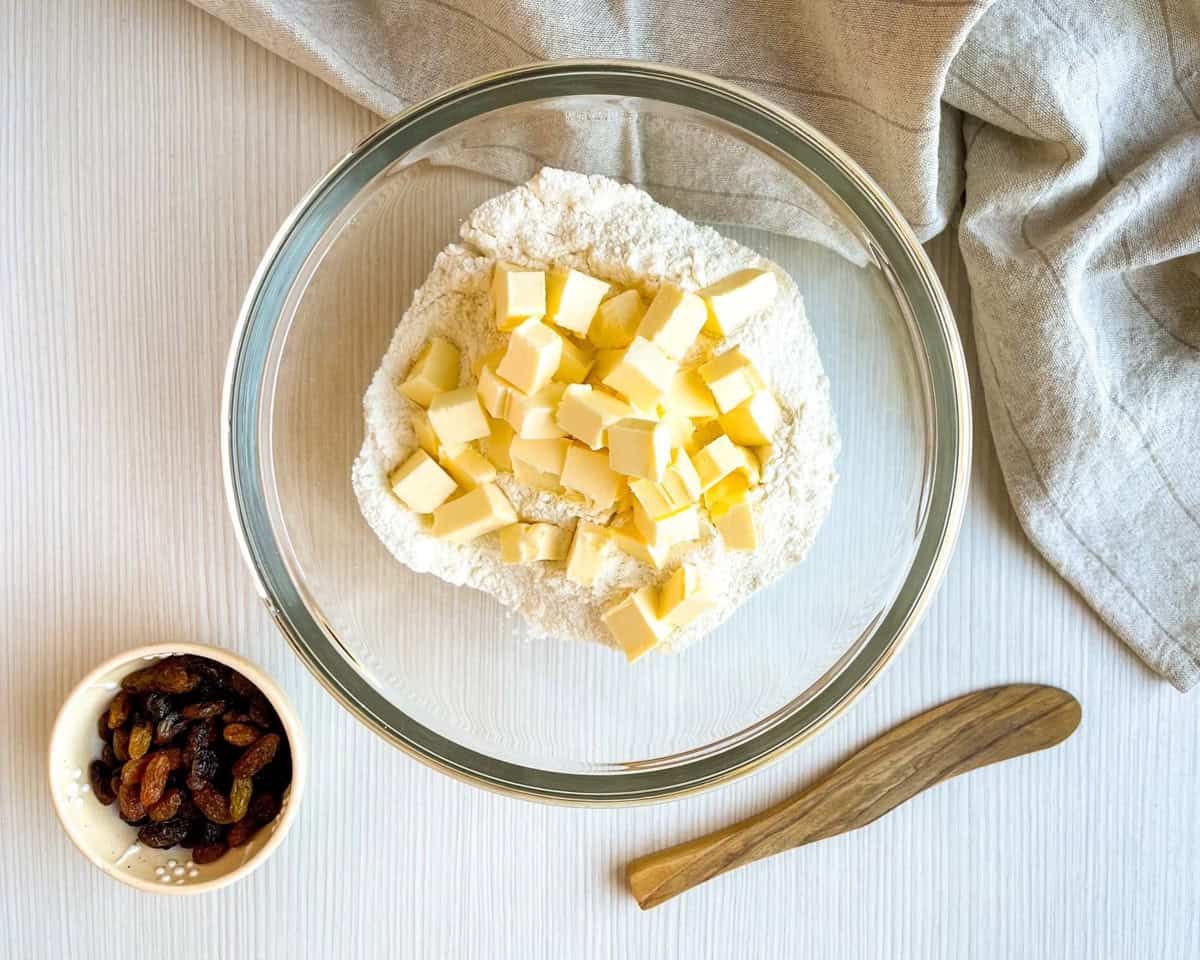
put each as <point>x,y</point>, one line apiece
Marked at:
<point>147,154</point>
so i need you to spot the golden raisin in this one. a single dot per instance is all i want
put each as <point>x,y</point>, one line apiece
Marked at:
<point>139,740</point>
<point>119,710</point>
<point>240,734</point>
<point>154,780</point>
<point>167,806</point>
<point>256,756</point>
<point>239,797</point>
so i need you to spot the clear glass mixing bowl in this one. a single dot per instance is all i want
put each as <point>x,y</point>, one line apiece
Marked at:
<point>444,672</point>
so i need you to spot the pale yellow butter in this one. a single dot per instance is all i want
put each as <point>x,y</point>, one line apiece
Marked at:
<point>603,365</point>
<point>420,484</point>
<point>494,392</point>
<point>630,540</point>
<point>639,448</point>
<point>634,623</point>
<point>457,417</point>
<point>586,413</point>
<point>690,396</point>
<point>643,374</point>
<point>617,319</point>
<point>683,597</point>
<point>423,429</point>
<point>660,520</point>
<point>705,433</point>
<point>732,299</point>
<point>496,445</point>
<point>681,481</point>
<point>533,417</point>
<point>680,427</point>
<point>736,526</point>
<point>532,357</point>
<point>587,472</point>
<point>572,299</point>
<point>723,494</point>
<point>731,378</point>
<point>576,363</point>
<point>475,513</point>
<point>673,320</point>
<point>534,542</point>
<point>587,553</point>
<point>467,466</point>
<point>518,294</point>
<point>545,456</point>
<point>753,421</point>
<point>716,461</point>
<point>434,371</point>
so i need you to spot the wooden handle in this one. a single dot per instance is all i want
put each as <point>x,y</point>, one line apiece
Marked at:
<point>972,731</point>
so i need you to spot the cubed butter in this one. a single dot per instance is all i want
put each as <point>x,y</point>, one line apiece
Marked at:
<point>634,623</point>
<point>764,454</point>
<point>705,433</point>
<point>673,320</point>
<point>586,413</point>
<point>680,428</point>
<point>467,466</point>
<point>683,597</point>
<point>643,374</point>
<point>533,417</point>
<point>639,448</point>
<point>533,477</point>
<point>518,294</point>
<point>737,528</point>
<point>495,393</point>
<point>723,494</point>
<point>749,467</point>
<point>423,429</point>
<point>532,357</point>
<point>604,363</point>
<point>716,461</point>
<point>572,299</point>
<point>495,446</point>
<point>545,456</point>
<point>732,299</point>
<point>576,362</point>
<point>690,396</point>
<point>732,378</point>
<point>617,319</point>
<point>534,542</point>
<point>420,484</point>
<point>587,553</point>
<point>487,360</point>
<point>587,472</point>
<point>475,513</point>
<point>753,421</point>
<point>661,521</point>
<point>681,481</point>
<point>434,371</point>
<point>457,417</point>
<point>630,540</point>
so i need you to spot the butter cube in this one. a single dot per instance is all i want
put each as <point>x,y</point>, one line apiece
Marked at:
<point>681,481</point>
<point>764,454</point>
<point>587,553</point>
<point>572,299</point>
<point>533,477</point>
<point>643,374</point>
<point>518,294</point>
<point>716,461</point>
<point>723,494</point>
<point>457,417</point>
<point>467,466</point>
<point>753,421</point>
<point>735,297</point>
<point>705,433</point>
<point>533,416</point>
<point>749,467</point>
<point>673,320</point>
<point>496,445</point>
<point>420,484</point>
<point>487,360</point>
<point>639,448</point>
<point>683,597</point>
<point>587,472</point>
<point>604,363</point>
<point>534,542</point>
<point>494,393</point>
<point>532,357</point>
<point>426,438</point>
<point>576,362</point>
<point>475,513</point>
<point>545,456</point>
<point>690,396</point>
<point>629,540</point>
<point>586,414</point>
<point>634,623</point>
<point>732,378</point>
<point>617,320</point>
<point>434,371</point>
<point>661,521</point>
<point>680,428</point>
<point>736,526</point>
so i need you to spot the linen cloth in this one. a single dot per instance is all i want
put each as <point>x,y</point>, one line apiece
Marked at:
<point>1069,132</point>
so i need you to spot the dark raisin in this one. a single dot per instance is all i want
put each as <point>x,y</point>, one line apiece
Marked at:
<point>239,797</point>
<point>119,710</point>
<point>256,756</point>
<point>120,743</point>
<point>240,734</point>
<point>100,777</point>
<point>139,740</point>
<point>134,770</point>
<point>204,709</point>
<point>102,725</point>
<point>235,716</point>
<point>210,670</point>
<point>173,678</point>
<point>141,681</point>
<point>262,713</point>
<point>168,805</point>
<point>154,780</point>
<point>169,727</point>
<point>200,736</point>
<point>130,803</point>
<point>174,757</point>
<point>204,767</point>
<point>115,781</point>
<point>241,832</point>
<point>264,807</point>
<point>108,756</point>
<point>212,804</point>
<point>241,686</point>
<point>209,852</point>
<point>157,705</point>
<point>162,836</point>
<point>204,832</point>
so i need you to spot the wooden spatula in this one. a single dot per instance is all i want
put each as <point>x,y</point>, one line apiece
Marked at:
<point>972,731</point>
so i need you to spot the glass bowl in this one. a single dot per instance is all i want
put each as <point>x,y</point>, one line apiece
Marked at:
<point>446,673</point>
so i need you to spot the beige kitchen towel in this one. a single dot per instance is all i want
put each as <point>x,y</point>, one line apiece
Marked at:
<point>1069,130</point>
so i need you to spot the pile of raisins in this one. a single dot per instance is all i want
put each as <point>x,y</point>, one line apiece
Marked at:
<point>194,756</point>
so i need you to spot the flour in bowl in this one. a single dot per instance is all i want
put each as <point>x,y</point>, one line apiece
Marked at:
<point>618,234</point>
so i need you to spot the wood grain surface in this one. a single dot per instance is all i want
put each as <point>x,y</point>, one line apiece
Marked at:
<point>147,154</point>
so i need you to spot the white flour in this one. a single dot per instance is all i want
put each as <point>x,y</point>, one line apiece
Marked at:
<point>619,234</point>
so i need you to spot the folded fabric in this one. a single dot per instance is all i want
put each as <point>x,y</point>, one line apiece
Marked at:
<point>1069,130</point>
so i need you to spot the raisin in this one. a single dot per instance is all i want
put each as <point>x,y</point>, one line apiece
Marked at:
<point>115,782</point>
<point>120,744</point>
<point>209,852</point>
<point>256,756</point>
<point>100,777</point>
<point>172,678</point>
<point>235,716</point>
<point>139,740</point>
<point>108,756</point>
<point>239,797</point>
<point>200,736</point>
<point>204,709</point>
<point>102,725</point>
<point>203,832</point>
<point>162,836</point>
<point>154,780</point>
<point>174,757</point>
<point>215,673</point>
<point>168,805</point>
<point>157,705</point>
<point>169,727</point>
<point>264,807</point>
<point>204,768</point>
<point>241,686</point>
<point>119,710</point>
<point>240,734</point>
<point>141,681</point>
<point>262,713</point>
<point>241,832</point>
<point>134,770</point>
<point>129,802</point>
<point>212,804</point>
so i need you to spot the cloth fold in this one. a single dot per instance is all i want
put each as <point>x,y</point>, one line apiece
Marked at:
<point>1069,131</point>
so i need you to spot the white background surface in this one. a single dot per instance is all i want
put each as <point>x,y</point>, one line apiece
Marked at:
<point>147,154</point>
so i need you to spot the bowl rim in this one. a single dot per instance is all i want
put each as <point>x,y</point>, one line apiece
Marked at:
<point>268,687</point>
<point>897,251</point>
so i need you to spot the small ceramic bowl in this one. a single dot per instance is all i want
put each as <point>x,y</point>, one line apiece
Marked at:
<point>109,842</point>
